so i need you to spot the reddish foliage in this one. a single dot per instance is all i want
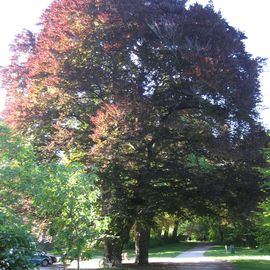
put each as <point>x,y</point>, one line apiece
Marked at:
<point>110,128</point>
<point>34,78</point>
<point>111,115</point>
<point>91,52</point>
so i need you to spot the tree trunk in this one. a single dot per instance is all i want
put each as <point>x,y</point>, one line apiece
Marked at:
<point>166,234</point>
<point>113,246</point>
<point>159,231</point>
<point>64,259</point>
<point>221,235</point>
<point>78,263</point>
<point>117,247</point>
<point>175,230</point>
<point>113,251</point>
<point>142,238</point>
<point>108,249</point>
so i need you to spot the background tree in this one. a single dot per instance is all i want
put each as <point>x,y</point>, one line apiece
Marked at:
<point>262,218</point>
<point>67,197</point>
<point>18,173</point>
<point>56,199</point>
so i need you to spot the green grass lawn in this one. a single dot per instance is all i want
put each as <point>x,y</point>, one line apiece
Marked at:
<point>219,251</point>
<point>252,265</point>
<point>243,258</point>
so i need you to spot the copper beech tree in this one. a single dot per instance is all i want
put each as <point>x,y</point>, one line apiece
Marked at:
<point>146,90</point>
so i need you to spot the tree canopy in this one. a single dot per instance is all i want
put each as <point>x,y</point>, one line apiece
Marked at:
<point>169,63</point>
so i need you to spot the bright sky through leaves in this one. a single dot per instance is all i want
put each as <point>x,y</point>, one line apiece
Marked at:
<point>16,15</point>
<point>248,16</point>
<point>252,18</point>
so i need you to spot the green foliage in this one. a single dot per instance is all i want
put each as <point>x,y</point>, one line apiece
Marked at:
<point>263,235</point>
<point>16,167</point>
<point>211,228</point>
<point>164,221</point>
<point>16,243</point>
<point>18,173</point>
<point>263,216</point>
<point>64,196</point>
<point>67,196</point>
<point>263,225</point>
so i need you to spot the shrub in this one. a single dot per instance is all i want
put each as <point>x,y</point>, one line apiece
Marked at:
<point>16,244</point>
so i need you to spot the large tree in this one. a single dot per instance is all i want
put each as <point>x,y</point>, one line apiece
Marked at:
<point>140,88</point>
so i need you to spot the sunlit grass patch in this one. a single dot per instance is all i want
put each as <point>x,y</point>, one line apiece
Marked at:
<point>219,251</point>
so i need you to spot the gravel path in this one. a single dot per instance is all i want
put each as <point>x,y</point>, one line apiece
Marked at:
<point>196,252</point>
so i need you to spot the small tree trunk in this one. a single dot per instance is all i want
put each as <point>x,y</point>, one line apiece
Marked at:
<point>221,234</point>
<point>113,251</point>
<point>64,261</point>
<point>78,263</point>
<point>166,234</point>
<point>117,248</point>
<point>141,243</point>
<point>159,231</point>
<point>113,246</point>
<point>108,249</point>
<point>175,230</point>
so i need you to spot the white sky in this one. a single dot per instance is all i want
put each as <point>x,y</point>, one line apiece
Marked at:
<point>16,15</point>
<point>251,17</point>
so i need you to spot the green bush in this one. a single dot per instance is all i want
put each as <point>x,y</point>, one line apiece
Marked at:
<point>16,244</point>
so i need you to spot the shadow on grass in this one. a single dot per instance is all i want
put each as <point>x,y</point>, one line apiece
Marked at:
<point>252,265</point>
